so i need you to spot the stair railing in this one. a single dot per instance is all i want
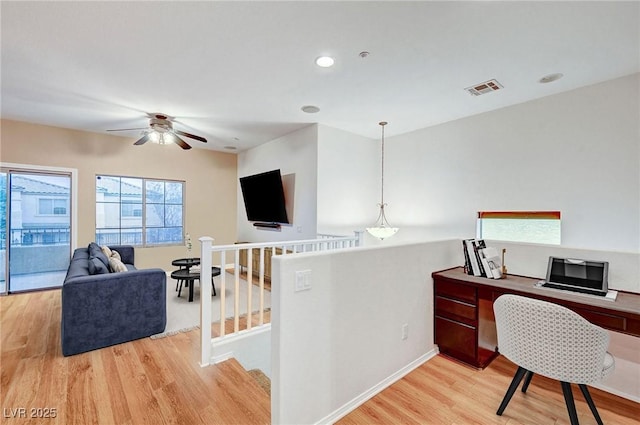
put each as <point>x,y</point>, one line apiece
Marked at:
<point>233,254</point>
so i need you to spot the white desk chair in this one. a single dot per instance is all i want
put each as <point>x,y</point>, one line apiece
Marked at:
<point>551,340</point>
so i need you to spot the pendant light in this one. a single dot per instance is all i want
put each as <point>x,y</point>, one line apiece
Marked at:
<point>382,229</point>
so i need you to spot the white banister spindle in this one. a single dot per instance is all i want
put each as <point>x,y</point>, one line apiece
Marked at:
<point>358,234</point>
<point>249,283</point>
<point>205,300</point>
<point>236,293</point>
<point>261,284</point>
<point>223,287</point>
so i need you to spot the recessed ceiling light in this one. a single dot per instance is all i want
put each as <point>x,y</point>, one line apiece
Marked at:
<point>310,109</point>
<point>550,78</point>
<point>324,61</point>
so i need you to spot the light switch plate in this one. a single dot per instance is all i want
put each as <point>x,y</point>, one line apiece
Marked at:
<point>303,280</point>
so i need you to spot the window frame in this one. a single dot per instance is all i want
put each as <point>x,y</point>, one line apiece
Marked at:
<point>519,215</point>
<point>141,206</point>
<point>52,212</point>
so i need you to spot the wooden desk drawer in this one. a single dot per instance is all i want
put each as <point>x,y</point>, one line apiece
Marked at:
<point>606,321</point>
<point>456,310</point>
<point>457,291</point>
<point>456,339</point>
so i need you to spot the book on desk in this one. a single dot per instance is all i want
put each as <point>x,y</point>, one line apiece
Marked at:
<point>481,260</point>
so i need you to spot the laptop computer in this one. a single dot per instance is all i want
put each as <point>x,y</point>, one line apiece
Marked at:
<point>585,276</point>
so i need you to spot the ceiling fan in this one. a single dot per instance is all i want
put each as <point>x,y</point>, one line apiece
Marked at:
<point>161,131</point>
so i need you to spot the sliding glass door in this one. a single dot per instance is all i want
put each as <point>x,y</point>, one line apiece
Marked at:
<point>4,263</point>
<point>35,244</point>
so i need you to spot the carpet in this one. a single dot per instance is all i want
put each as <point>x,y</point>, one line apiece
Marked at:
<point>183,316</point>
<point>263,380</point>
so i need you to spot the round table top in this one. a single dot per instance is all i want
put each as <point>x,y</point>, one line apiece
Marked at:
<point>185,274</point>
<point>186,262</point>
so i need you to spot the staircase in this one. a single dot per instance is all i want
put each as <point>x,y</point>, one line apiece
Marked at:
<point>243,387</point>
<point>262,380</point>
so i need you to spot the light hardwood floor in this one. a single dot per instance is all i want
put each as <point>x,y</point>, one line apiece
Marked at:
<point>140,382</point>
<point>159,382</point>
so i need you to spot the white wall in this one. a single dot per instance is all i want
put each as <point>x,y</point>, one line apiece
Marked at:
<point>348,181</point>
<point>531,260</point>
<point>577,152</point>
<point>340,342</point>
<point>294,153</point>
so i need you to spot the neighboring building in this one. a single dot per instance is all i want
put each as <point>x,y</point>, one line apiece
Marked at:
<point>39,212</point>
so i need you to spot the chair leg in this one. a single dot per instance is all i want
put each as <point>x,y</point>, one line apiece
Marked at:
<point>527,381</point>
<point>592,405</point>
<point>568,399</point>
<point>512,388</point>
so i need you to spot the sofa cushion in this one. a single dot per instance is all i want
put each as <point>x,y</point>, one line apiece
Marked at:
<point>77,268</point>
<point>96,266</point>
<point>116,265</point>
<point>96,252</point>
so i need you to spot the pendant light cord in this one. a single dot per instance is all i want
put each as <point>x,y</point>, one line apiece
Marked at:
<point>382,124</point>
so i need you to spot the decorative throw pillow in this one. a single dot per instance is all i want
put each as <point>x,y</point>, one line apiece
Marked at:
<point>115,254</point>
<point>96,252</point>
<point>97,267</point>
<point>106,251</point>
<point>116,265</point>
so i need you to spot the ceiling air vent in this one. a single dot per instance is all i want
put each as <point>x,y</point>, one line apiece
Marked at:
<point>486,87</point>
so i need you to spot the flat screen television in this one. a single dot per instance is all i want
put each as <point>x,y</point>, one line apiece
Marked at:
<point>263,196</point>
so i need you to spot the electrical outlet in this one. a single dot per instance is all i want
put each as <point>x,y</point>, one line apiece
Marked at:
<point>405,331</point>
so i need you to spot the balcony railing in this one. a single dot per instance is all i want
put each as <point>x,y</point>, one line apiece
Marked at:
<point>37,236</point>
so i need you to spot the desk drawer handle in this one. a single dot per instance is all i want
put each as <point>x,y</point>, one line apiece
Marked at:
<point>456,322</point>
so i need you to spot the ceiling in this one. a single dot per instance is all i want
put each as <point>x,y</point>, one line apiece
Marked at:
<point>238,73</point>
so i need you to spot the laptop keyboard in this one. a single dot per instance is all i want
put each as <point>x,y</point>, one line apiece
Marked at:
<point>581,290</point>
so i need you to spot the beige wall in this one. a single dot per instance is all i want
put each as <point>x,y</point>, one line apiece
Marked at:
<point>211,178</point>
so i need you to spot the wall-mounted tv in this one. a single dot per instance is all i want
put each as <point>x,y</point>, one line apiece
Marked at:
<point>264,197</point>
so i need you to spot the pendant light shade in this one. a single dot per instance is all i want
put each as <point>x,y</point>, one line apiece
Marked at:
<point>382,229</point>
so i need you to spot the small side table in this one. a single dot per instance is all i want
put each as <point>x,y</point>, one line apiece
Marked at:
<point>185,264</point>
<point>189,278</point>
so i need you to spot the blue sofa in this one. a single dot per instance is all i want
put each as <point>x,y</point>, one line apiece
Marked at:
<point>101,308</point>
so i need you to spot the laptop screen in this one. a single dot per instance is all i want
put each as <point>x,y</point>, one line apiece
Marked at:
<point>578,273</point>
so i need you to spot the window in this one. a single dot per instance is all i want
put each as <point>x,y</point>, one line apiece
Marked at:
<point>52,206</point>
<point>520,226</point>
<point>138,211</point>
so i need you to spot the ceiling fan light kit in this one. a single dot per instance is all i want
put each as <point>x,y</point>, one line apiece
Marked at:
<point>161,131</point>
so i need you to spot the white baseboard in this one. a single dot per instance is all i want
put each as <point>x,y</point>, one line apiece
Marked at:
<point>362,398</point>
<point>618,392</point>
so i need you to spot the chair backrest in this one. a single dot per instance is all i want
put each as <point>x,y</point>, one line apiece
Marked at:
<point>550,340</point>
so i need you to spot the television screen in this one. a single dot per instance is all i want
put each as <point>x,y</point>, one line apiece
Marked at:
<point>264,197</point>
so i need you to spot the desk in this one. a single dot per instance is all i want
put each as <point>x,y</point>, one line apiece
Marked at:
<point>465,325</point>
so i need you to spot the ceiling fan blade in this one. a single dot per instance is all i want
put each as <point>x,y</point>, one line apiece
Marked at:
<point>181,142</point>
<point>192,136</point>
<point>129,129</point>
<point>141,141</point>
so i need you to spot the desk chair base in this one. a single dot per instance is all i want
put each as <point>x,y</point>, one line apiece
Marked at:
<point>566,391</point>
